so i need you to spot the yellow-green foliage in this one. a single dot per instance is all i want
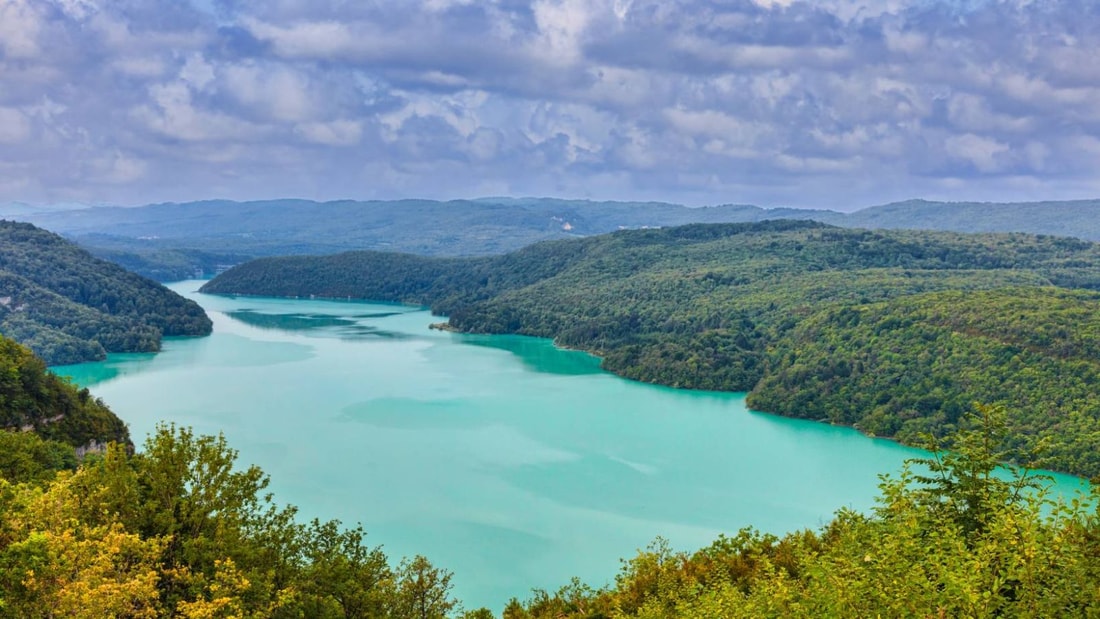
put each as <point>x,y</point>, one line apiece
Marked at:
<point>953,540</point>
<point>178,531</point>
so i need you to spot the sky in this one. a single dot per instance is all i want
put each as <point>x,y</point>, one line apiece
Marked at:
<point>831,103</point>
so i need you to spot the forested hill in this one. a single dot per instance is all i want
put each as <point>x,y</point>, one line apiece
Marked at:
<point>1076,218</point>
<point>33,398</point>
<point>175,241</point>
<point>894,332</point>
<point>69,307</point>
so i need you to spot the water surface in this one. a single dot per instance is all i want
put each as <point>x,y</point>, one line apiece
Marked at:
<point>504,459</point>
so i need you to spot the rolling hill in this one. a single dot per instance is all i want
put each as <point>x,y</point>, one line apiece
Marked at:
<point>173,241</point>
<point>68,306</point>
<point>895,332</point>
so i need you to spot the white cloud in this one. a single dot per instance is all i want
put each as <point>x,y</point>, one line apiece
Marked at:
<point>983,153</point>
<point>973,113</point>
<point>173,114</point>
<point>335,133</point>
<point>19,29</point>
<point>117,168</point>
<point>561,26</point>
<point>197,72</point>
<point>787,101</point>
<point>315,39</point>
<point>14,126</point>
<point>281,92</point>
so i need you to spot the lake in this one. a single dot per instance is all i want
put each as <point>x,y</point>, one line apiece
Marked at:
<point>502,458</point>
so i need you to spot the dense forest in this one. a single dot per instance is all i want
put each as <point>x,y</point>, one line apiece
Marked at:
<point>894,332</point>
<point>69,307</point>
<point>33,398</point>
<point>176,241</point>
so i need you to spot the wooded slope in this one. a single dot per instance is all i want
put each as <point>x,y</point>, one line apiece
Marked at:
<point>174,241</point>
<point>34,399</point>
<point>70,307</point>
<point>893,332</point>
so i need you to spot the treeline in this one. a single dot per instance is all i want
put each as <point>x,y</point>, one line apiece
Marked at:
<point>914,364</point>
<point>70,307</point>
<point>772,308</point>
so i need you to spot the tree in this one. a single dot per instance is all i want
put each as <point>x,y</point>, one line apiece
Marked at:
<point>961,484</point>
<point>423,591</point>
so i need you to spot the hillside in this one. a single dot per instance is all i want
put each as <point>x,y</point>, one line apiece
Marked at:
<point>69,307</point>
<point>894,332</point>
<point>33,398</point>
<point>175,241</point>
<point>1076,218</point>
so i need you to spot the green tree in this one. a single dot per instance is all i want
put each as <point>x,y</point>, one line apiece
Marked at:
<point>423,591</point>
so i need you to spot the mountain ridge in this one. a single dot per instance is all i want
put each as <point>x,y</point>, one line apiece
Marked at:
<point>169,240</point>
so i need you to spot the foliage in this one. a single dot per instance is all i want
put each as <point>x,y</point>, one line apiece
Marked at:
<point>954,541</point>
<point>179,531</point>
<point>70,307</point>
<point>33,398</point>
<point>28,457</point>
<point>893,332</point>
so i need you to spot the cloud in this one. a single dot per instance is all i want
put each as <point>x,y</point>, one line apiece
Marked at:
<point>836,103</point>
<point>14,126</point>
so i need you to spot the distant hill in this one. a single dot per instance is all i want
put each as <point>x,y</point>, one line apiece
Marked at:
<point>1078,218</point>
<point>174,241</point>
<point>69,306</point>
<point>894,332</point>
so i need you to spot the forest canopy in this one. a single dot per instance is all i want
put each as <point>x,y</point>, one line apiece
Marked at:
<point>894,332</point>
<point>70,307</point>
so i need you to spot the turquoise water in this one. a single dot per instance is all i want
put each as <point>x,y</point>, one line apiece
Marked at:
<point>510,462</point>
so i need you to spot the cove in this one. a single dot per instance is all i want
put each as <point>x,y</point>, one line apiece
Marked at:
<point>508,461</point>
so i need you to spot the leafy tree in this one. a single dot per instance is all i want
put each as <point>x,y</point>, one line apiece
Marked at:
<point>422,591</point>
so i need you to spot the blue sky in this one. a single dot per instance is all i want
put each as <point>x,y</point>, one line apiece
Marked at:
<point>832,103</point>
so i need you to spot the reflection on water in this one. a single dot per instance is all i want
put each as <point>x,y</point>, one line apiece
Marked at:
<point>537,354</point>
<point>345,327</point>
<point>115,366</point>
<point>289,322</point>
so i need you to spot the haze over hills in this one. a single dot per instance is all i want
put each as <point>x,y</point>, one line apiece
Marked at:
<point>172,241</point>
